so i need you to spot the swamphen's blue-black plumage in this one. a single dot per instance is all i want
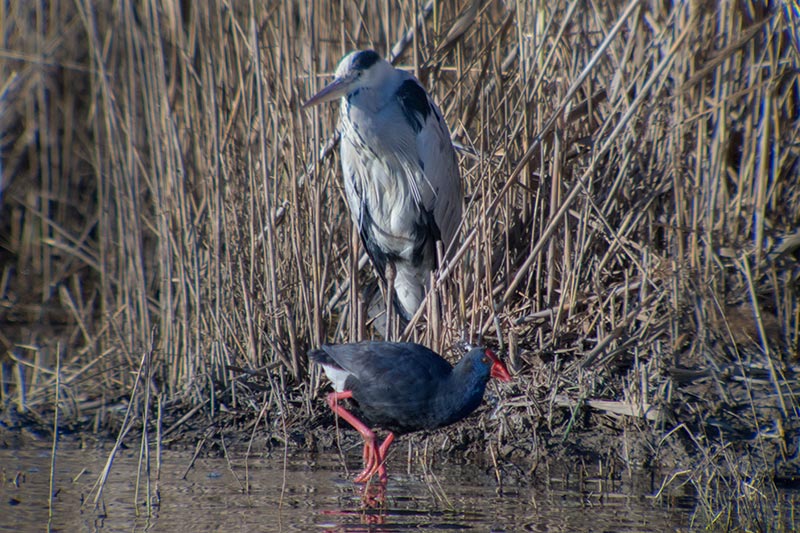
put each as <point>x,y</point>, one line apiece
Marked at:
<point>403,387</point>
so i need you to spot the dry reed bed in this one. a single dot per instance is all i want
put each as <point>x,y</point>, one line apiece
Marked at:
<point>170,214</point>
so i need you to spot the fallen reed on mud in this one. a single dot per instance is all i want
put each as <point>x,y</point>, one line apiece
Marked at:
<point>175,221</point>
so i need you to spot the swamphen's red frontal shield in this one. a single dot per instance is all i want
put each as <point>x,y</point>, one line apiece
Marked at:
<point>403,387</point>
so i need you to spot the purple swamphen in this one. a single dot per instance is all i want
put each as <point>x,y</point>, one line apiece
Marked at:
<point>403,387</point>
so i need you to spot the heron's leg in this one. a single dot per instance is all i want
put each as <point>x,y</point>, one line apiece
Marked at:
<point>390,276</point>
<point>372,458</point>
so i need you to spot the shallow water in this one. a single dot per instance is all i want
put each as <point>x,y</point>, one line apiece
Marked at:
<point>312,493</point>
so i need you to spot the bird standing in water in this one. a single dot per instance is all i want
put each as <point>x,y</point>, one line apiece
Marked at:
<point>403,387</point>
<point>401,175</point>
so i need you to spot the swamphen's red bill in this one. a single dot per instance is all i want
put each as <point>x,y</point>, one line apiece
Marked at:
<point>403,387</point>
<point>498,369</point>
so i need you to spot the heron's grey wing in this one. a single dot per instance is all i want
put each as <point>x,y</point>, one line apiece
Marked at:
<point>441,170</point>
<point>438,185</point>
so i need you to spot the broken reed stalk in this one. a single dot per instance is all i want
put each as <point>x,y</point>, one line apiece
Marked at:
<point>125,427</point>
<point>57,397</point>
<point>143,466</point>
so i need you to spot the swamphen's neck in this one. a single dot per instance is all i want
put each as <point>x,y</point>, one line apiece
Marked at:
<point>461,392</point>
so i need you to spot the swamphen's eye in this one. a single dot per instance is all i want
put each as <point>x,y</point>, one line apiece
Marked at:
<point>485,360</point>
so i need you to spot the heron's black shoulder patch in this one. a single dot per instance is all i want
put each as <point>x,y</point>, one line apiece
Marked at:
<point>414,102</point>
<point>365,59</point>
<point>426,233</point>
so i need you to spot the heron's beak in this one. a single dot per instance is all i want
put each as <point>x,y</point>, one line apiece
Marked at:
<point>332,91</point>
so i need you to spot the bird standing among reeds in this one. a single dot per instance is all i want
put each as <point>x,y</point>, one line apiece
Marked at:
<point>401,176</point>
<point>403,387</point>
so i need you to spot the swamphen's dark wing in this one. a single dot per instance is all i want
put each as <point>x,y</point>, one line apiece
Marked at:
<point>394,384</point>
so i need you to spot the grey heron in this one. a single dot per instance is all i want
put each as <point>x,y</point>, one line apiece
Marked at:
<point>401,176</point>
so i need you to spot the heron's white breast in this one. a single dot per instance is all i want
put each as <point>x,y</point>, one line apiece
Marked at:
<point>387,175</point>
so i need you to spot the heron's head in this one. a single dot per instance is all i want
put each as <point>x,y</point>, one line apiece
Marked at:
<point>356,70</point>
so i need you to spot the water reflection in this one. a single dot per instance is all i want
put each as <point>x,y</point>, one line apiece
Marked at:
<point>311,493</point>
<point>390,508</point>
<point>412,503</point>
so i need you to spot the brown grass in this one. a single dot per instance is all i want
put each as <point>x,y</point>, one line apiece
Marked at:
<point>630,241</point>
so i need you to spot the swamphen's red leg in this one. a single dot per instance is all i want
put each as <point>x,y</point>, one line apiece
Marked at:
<point>377,460</point>
<point>382,453</point>
<point>373,455</point>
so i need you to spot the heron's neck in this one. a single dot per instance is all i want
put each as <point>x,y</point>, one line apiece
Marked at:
<point>373,99</point>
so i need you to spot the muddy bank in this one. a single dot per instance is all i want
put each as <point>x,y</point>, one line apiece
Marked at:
<point>701,434</point>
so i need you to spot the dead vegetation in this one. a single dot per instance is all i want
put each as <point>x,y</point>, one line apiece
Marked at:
<point>172,221</point>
